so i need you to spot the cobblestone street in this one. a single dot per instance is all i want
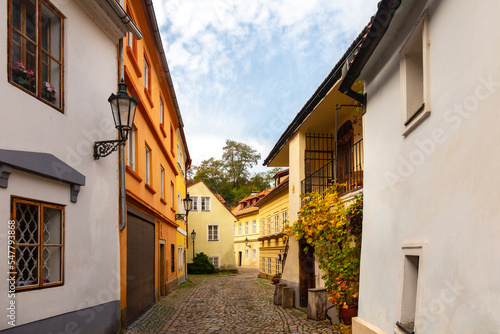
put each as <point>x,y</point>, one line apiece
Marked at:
<point>232,303</point>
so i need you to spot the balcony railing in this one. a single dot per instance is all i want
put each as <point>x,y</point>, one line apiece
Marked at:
<point>346,170</point>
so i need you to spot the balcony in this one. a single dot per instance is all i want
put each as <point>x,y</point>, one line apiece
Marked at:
<point>346,170</point>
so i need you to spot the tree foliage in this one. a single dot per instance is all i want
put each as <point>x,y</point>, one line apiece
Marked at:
<point>231,176</point>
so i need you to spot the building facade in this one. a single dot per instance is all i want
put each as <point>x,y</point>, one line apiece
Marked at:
<point>246,230</point>
<point>150,263</point>
<point>61,205</point>
<point>212,223</point>
<point>273,215</point>
<point>429,261</point>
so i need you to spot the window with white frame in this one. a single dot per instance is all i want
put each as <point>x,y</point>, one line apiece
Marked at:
<point>148,164</point>
<point>162,180</point>
<point>276,223</point>
<point>147,75</point>
<point>194,203</point>
<point>254,254</point>
<point>239,228</point>
<point>254,226</point>
<point>269,225</point>
<point>35,49</point>
<point>215,260</point>
<point>39,239</point>
<point>161,111</point>
<point>263,264</point>
<point>277,265</point>
<point>171,194</point>
<point>414,69</point>
<point>131,147</point>
<point>262,227</point>
<point>284,218</point>
<point>180,206</point>
<point>269,265</point>
<point>213,232</point>
<point>246,254</point>
<point>246,227</point>
<point>180,251</point>
<point>205,203</point>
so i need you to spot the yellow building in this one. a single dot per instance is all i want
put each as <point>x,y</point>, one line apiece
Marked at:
<point>183,164</point>
<point>212,222</point>
<point>273,215</point>
<point>246,230</point>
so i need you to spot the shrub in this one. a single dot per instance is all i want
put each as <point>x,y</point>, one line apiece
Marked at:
<point>201,265</point>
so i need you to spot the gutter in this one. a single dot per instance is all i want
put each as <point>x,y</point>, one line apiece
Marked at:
<point>159,45</point>
<point>379,26</point>
<point>118,9</point>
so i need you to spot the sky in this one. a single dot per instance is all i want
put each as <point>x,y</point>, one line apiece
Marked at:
<point>242,69</point>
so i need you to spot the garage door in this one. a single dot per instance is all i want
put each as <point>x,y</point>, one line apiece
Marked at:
<point>140,266</point>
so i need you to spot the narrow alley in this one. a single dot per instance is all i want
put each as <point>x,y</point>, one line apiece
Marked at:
<point>232,303</point>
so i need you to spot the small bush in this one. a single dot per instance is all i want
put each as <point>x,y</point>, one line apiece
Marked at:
<point>201,265</point>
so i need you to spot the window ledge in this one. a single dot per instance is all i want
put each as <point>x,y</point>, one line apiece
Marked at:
<point>419,118</point>
<point>172,209</point>
<point>163,201</point>
<point>148,96</point>
<point>150,189</point>
<point>133,61</point>
<point>214,240</point>
<point>132,173</point>
<point>162,128</point>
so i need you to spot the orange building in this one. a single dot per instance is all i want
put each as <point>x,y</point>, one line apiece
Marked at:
<point>149,243</point>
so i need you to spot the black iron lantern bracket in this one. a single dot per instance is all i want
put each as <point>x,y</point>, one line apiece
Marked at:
<point>106,147</point>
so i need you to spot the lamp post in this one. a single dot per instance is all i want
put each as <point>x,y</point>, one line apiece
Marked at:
<point>123,108</point>
<point>193,236</point>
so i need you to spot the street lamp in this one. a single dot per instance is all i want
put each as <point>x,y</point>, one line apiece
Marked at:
<point>123,108</point>
<point>246,242</point>
<point>188,201</point>
<point>193,236</point>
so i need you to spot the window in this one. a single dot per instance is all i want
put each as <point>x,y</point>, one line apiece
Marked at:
<point>246,254</point>
<point>254,254</point>
<point>147,75</point>
<point>148,164</point>
<point>194,204</point>
<point>213,232</point>
<point>180,206</point>
<point>39,240</point>
<point>254,226</point>
<point>246,227</point>
<point>239,229</point>
<point>171,194</point>
<point>269,225</point>
<point>276,223</point>
<point>161,111</point>
<point>131,148</point>
<point>162,178</point>
<point>269,265</point>
<point>214,259</point>
<point>36,49</point>
<point>262,228</point>
<point>180,256</point>
<point>414,76</point>
<point>205,203</point>
<point>277,264</point>
<point>284,218</point>
<point>172,257</point>
<point>263,264</point>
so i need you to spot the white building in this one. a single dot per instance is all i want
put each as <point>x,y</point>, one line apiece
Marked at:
<point>63,202</point>
<point>430,255</point>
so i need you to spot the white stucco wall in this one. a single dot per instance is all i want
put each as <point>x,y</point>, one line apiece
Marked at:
<point>91,252</point>
<point>439,185</point>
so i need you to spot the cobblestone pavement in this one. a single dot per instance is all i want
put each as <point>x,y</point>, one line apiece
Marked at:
<point>228,303</point>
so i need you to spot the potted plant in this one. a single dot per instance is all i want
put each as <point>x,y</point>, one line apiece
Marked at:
<point>49,92</point>
<point>23,77</point>
<point>276,278</point>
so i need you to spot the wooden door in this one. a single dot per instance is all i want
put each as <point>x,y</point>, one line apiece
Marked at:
<point>306,273</point>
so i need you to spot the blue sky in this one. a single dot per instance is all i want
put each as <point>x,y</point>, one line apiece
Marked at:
<point>242,69</point>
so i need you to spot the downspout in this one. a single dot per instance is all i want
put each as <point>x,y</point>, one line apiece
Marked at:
<point>361,55</point>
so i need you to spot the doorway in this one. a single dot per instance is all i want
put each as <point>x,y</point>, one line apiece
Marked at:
<point>162,273</point>
<point>306,274</point>
<point>240,257</point>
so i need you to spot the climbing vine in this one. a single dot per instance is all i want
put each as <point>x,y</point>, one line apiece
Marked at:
<point>333,228</point>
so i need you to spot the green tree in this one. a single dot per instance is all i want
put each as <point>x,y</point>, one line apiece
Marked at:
<point>238,159</point>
